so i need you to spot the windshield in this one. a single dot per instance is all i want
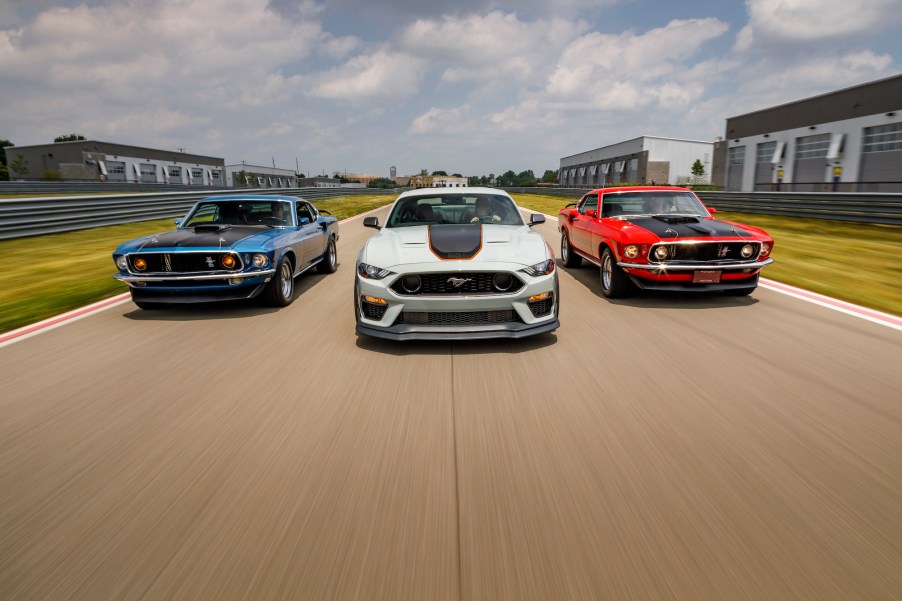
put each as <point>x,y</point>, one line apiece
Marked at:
<point>241,212</point>
<point>656,202</point>
<point>446,207</point>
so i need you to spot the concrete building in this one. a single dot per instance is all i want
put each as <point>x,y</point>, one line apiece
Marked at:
<point>431,181</point>
<point>848,140</point>
<point>319,182</point>
<point>645,160</point>
<point>243,175</point>
<point>93,160</point>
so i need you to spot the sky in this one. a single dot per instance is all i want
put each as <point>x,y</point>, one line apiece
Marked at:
<point>482,87</point>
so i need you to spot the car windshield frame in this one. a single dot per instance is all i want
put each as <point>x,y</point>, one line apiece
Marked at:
<point>457,208</point>
<point>241,212</point>
<point>670,203</point>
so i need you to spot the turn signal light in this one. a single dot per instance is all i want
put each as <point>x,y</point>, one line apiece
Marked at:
<point>228,261</point>
<point>374,300</point>
<point>539,297</point>
<point>140,264</point>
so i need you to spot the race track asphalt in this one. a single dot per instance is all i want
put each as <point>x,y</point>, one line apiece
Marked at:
<point>659,447</point>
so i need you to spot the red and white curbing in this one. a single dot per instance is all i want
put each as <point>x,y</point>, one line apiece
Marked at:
<point>878,317</point>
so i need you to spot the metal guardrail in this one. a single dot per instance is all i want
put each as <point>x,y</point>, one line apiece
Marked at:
<point>863,207</point>
<point>21,217</point>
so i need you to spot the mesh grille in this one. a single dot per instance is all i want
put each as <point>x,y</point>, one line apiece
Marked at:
<point>374,311</point>
<point>182,262</point>
<point>474,283</point>
<point>457,317</point>
<point>541,308</point>
<point>708,251</point>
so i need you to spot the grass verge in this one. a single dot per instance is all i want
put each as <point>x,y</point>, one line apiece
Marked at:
<point>44,276</point>
<point>854,262</point>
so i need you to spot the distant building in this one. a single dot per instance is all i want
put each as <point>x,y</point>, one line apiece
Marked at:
<point>848,140</point>
<point>642,160</point>
<point>360,178</point>
<point>93,160</point>
<point>393,172</point>
<point>431,181</point>
<point>259,176</point>
<point>319,182</point>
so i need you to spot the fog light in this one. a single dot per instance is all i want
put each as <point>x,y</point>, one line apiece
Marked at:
<point>747,251</point>
<point>375,300</point>
<point>502,281</point>
<point>228,261</point>
<point>411,283</point>
<point>631,251</point>
<point>234,281</point>
<point>539,297</point>
<point>140,264</point>
<point>661,253</point>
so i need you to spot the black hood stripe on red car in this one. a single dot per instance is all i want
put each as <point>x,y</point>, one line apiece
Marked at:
<point>188,238</point>
<point>687,227</point>
<point>455,241</point>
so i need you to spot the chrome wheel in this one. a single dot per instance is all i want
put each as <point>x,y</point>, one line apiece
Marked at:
<point>565,249</point>
<point>607,269</point>
<point>286,282</point>
<point>332,254</point>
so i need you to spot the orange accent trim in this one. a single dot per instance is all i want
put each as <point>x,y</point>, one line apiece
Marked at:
<point>440,258</point>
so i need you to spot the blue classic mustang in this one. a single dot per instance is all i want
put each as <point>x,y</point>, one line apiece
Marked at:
<point>230,247</point>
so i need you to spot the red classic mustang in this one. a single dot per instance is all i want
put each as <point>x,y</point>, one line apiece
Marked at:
<point>661,238</point>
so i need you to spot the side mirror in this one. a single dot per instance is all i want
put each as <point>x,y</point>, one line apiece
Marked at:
<point>324,212</point>
<point>591,213</point>
<point>536,219</point>
<point>178,222</point>
<point>712,210</point>
<point>570,204</point>
<point>372,222</point>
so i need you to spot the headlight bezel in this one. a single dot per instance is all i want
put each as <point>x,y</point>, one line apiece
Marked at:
<point>631,251</point>
<point>260,261</point>
<point>545,267</point>
<point>372,272</point>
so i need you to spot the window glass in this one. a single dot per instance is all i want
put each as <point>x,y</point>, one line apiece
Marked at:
<point>883,138</point>
<point>657,202</point>
<point>765,152</point>
<point>812,147</point>
<point>454,208</point>
<point>588,203</point>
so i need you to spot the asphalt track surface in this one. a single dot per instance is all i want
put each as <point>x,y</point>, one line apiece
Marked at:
<point>660,447</point>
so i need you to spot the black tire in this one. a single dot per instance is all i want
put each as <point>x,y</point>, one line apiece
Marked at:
<point>280,290</point>
<point>356,302</point>
<point>568,257</point>
<point>614,281</point>
<point>740,291</point>
<point>330,258</point>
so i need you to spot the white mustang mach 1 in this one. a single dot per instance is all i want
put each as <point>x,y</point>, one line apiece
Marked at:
<point>455,263</point>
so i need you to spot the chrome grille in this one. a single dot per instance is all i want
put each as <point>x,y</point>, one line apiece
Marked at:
<point>183,262</point>
<point>706,251</point>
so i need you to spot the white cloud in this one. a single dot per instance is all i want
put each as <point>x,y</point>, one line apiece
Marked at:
<point>381,75</point>
<point>799,22</point>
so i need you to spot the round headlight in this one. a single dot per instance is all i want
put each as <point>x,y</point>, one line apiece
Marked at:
<point>228,261</point>
<point>411,283</point>
<point>260,261</point>
<point>122,262</point>
<point>765,249</point>
<point>747,251</point>
<point>631,251</point>
<point>502,281</point>
<point>661,253</point>
<point>140,264</point>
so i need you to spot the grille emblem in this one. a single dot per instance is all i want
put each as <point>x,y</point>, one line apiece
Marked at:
<point>167,262</point>
<point>724,251</point>
<point>210,262</point>
<point>458,282</point>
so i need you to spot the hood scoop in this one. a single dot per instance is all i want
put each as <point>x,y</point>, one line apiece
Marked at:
<point>455,241</point>
<point>203,228</point>
<point>676,219</point>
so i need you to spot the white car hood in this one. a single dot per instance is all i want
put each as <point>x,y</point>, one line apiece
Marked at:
<point>517,244</point>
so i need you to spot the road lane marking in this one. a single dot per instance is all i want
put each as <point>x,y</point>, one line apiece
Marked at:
<point>872,315</point>
<point>76,314</point>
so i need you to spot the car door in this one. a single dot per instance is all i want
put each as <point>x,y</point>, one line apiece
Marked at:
<point>312,234</point>
<point>580,234</point>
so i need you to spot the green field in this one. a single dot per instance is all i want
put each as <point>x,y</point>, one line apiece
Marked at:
<point>44,276</point>
<point>855,262</point>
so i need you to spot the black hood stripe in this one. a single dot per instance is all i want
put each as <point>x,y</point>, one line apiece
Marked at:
<point>687,227</point>
<point>449,242</point>
<point>188,238</point>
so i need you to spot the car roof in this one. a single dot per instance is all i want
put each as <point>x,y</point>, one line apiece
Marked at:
<point>250,197</point>
<point>639,189</point>
<point>461,190</point>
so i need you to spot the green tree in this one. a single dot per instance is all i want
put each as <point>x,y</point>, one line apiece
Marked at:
<point>4,171</point>
<point>424,172</point>
<point>19,166</point>
<point>525,179</point>
<point>697,168</point>
<point>381,182</point>
<point>550,177</point>
<point>444,173</point>
<point>456,175</point>
<point>69,138</point>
